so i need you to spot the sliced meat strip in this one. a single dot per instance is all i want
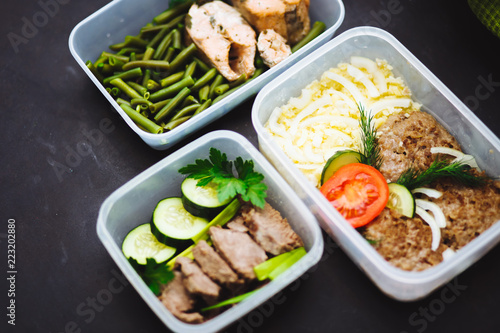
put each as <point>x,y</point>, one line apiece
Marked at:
<point>237,224</point>
<point>239,250</point>
<point>179,301</point>
<point>214,266</point>
<point>271,231</point>
<point>197,282</point>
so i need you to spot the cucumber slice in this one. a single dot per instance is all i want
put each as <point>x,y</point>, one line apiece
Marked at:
<point>201,201</point>
<point>401,199</point>
<point>173,225</point>
<point>140,244</point>
<point>338,160</point>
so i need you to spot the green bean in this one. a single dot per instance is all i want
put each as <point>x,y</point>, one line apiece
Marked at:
<point>170,54</point>
<point>219,79</point>
<point>121,57</point>
<point>172,12</point>
<point>130,41</point>
<point>190,69</point>
<point>187,110</point>
<point>201,65</point>
<point>173,124</point>
<point>171,90</point>
<point>100,60</point>
<point>169,25</point>
<point>133,56</point>
<point>140,101</point>
<point>116,64</point>
<point>148,54</point>
<point>157,64</point>
<point>105,69</point>
<point>158,105</point>
<point>183,56</point>
<point>258,71</point>
<point>118,82</point>
<point>140,120</point>
<point>115,91</point>
<point>158,37</point>
<point>172,104</point>
<point>94,71</point>
<point>120,100</point>
<point>152,85</point>
<point>203,92</point>
<point>146,77</point>
<point>239,81</point>
<point>169,80</point>
<point>205,79</point>
<point>165,42</point>
<point>137,87</point>
<point>189,101</point>
<point>316,30</point>
<point>219,90</point>
<point>176,39</point>
<point>127,50</point>
<point>127,75</point>
<point>202,107</point>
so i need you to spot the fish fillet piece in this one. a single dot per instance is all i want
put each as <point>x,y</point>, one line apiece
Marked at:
<point>289,18</point>
<point>272,47</point>
<point>224,37</point>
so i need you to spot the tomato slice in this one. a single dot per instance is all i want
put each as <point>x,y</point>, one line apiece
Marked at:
<point>358,191</point>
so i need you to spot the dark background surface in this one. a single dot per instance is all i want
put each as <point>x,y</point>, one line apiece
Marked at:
<point>47,103</point>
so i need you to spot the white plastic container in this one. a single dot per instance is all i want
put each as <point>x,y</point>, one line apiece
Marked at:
<point>133,204</point>
<point>119,18</point>
<point>472,134</point>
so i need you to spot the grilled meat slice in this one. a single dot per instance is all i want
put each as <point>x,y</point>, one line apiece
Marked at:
<point>271,231</point>
<point>239,251</point>
<point>197,282</point>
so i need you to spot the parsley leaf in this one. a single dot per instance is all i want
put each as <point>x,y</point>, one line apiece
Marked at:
<point>218,169</point>
<point>153,274</point>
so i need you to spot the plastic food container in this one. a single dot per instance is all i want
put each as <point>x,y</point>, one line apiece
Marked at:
<point>119,18</point>
<point>133,204</point>
<point>438,100</point>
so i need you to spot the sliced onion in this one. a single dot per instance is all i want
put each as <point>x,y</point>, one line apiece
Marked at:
<point>435,209</point>
<point>459,156</point>
<point>448,253</point>
<point>436,232</point>
<point>430,192</point>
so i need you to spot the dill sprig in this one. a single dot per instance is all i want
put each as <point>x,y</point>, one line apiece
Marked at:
<point>462,173</point>
<point>370,149</point>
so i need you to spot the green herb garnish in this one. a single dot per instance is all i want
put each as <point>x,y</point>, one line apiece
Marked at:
<point>370,149</point>
<point>462,173</point>
<point>219,170</point>
<point>153,274</point>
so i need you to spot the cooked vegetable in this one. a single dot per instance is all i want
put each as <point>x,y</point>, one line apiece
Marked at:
<point>273,267</point>
<point>230,301</point>
<point>140,244</point>
<point>338,160</point>
<point>358,191</point>
<point>401,200</point>
<point>219,170</point>
<point>316,30</point>
<point>173,225</point>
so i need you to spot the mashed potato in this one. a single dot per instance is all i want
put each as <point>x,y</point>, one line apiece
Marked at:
<point>325,118</point>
